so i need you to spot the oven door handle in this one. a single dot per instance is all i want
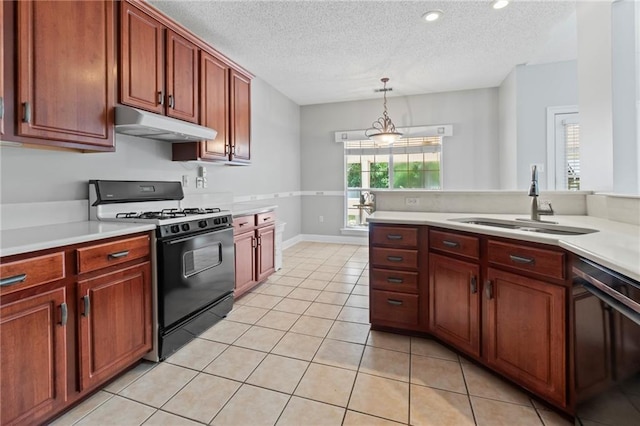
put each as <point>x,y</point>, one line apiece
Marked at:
<point>191,236</point>
<point>609,300</point>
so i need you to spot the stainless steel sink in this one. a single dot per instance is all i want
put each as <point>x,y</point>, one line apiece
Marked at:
<point>526,225</point>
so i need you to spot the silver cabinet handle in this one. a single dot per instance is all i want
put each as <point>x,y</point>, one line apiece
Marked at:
<point>451,243</point>
<point>489,289</point>
<point>394,302</point>
<point>161,98</point>
<point>118,255</point>
<point>171,102</point>
<point>266,218</point>
<point>63,314</point>
<point>520,259</point>
<point>1,107</point>
<point>474,285</point>
<point>26,112</point>
<point>87,306</point>
<point>395,258</point>
<point>394,237</point>
<point>13,280</point>
<point>394,280</point>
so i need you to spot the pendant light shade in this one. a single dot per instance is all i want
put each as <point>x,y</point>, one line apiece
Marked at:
<point>383,131</point>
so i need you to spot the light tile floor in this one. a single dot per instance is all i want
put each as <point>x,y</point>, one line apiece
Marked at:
<point>298,350</point>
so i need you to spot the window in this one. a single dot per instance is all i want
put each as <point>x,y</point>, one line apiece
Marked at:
<point>563,148</point>
<point>409,163</point>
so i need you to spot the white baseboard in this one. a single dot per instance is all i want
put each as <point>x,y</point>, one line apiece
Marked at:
<point>337,239</point>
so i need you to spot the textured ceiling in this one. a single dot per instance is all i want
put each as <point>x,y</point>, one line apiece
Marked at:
<point>331,51</point>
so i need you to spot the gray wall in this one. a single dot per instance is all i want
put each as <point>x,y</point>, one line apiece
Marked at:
<point>508,143</point>
<point>35,175</point>
<point>470,156</point>
<point>539,87</point>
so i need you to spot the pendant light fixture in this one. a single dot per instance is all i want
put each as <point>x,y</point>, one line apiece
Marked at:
<point>383,131</point>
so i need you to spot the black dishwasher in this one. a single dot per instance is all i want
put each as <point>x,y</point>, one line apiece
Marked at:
<point>607,345</point>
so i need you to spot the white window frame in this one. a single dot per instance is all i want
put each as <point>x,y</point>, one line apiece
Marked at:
<point>553,146</point>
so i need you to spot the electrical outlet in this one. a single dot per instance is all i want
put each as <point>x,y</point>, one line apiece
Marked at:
<point>185,181</point>
<point>412,201</point>
<point>321,219</point>
<point>199,182</point>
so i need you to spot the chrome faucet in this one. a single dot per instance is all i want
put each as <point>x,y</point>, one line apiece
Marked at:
<point>536,212</point>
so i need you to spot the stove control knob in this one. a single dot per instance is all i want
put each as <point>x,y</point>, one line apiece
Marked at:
<point>175,229</point>
<point>225,219</point>
<point>185,227</point>
<point>202,224</point>
<point>216,221</point>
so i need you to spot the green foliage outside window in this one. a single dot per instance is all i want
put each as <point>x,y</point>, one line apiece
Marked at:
<point>354,175</point>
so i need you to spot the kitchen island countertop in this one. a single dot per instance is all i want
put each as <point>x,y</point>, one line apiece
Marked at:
<point>616,245</point>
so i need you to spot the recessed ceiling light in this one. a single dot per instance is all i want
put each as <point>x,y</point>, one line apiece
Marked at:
<point>432,15</point>
<point>499,4</point>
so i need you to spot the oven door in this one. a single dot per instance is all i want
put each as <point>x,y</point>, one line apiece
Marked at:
<point>194,272</point>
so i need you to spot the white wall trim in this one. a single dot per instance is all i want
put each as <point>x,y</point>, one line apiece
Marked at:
<point>324,193</point>
<point>551,141</point>
<point>270,196</point>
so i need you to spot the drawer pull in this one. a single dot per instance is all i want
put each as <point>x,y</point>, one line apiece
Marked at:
<point>394,280</point>
<point>520,259</point>
<point>119,254</point>
<point>243,223</point>
<point>394,302</point>
<point>452,244</point>
<point>394,237</point>
<point>395,258</point>
<point>266,218</point>
<point>64,314</point>
<point>489,289</point>
<point>474,285</point>
<point>87,306</point>
<point>13,280</point>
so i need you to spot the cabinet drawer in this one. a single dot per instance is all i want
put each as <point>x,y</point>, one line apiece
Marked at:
<point>395,258</point>
<point>109,254</point>
<point>265,218</point>
<point>396,236</point>
<point>540,261</point>
<point>243,223</point>
<point>450,242</point>
<point>391,307</point>
<point>31,272</point>
<point>402,281</point>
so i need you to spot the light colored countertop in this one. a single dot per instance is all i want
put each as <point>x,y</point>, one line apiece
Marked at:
<point>23,240</point>
<point>616,245</point>
<point>243,209</point>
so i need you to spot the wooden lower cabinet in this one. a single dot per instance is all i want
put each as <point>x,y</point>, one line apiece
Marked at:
<point>245,259</point>
<point>254,241</point>
<point>524,332</point>
<point>114,322</point>
<point>454,302</point>
<point>34,357</point>
<point>265,252</point>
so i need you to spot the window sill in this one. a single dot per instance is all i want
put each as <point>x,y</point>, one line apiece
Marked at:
<point>355,232</point>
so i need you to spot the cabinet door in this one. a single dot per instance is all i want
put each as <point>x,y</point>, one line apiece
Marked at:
<point>245,246</point>
<point>454,302</point>
<point>214,106</point>
<point>66,71</point>
<point>266,252</point>
<point>115,322</point>
<point>240,117</point>
<point>182,78</point>
<point>34,357</point>
<point>141,60</point>
<point>524,332</point>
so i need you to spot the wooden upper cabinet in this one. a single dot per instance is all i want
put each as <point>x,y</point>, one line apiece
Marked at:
<point>182,78</point>
<point>141,60</point>
<point>66,72</point>
<point>240,107</point>
<point>214,111</point>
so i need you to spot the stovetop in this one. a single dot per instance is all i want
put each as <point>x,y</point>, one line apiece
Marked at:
<point>165,214</point>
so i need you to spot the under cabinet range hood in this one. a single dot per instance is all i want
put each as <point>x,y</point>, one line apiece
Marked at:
<point>144,124</point>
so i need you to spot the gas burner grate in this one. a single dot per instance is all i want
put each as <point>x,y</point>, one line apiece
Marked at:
<point>198,210</point>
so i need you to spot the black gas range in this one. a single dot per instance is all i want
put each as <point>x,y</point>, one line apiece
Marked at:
<point>193,254</point>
